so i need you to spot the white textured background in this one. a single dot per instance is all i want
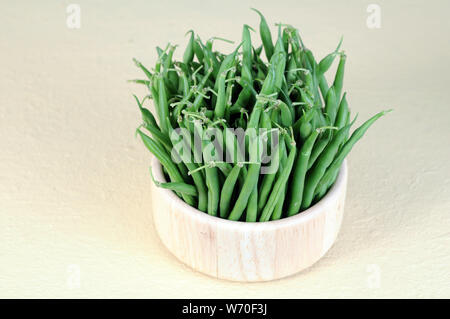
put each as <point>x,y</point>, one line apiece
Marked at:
<point>74,182</point>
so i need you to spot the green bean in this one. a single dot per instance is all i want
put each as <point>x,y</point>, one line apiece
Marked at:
<point>323,86</point>
<point>162,103</point>
<point>342,113</point>
<point>159,136</point>
<point>229,89</point>
<point>298,179</point>
<point>160,52</point>
<point>161,57</point>
<point>227,191</point>
<point>198,51</point>
<point>212,183</point>
<point>276,191</point>
<point>155,98</point>
<point>246,73</point>
<point>228,61</point>
<point>265,90</point>
<point>347,147</point>
<point>305,130</point>
<point>319,168</point>
<point>246,92</point>
<point>251,213</point>
<point>291,71</point>
<point>247,47</point>
<point>306,97</point>
<point>305,118</point>
<point>279,61</point>
<point>278,210</point>
<point>265,122</point>
<point>199,183</point>
<point>219,110</point>
<point>339,78</point>
<point>143,68</point>
<point>275,72</point>
<point>247,188</point>
<point>249,183</point>
<point>314,89</point>
<point>319,146</point>
<point>210,60</point>
<point>331,105</point>
<point>286,115</point>
<point>181,167</point>
<point>183,85</point>
<point>266,36</point>
<point>147,116</point>
<point>188,55</point>
<point>225,168</point>
<point>285,38</point>
<point>199,98</point>
<point>209,89</point>
<point>322,190</point>
<point>172,75</point>
<point>197,176</point>
<point>176,186</point>
<point>268,179</point>
<point>326,62</point>
<point>156,149</point>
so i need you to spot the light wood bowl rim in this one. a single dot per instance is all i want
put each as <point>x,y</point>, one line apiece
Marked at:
<point>312,212</point>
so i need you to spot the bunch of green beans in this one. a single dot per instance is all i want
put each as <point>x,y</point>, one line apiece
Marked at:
<point>285,91</point>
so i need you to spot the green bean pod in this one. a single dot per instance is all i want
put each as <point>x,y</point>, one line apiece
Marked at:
<point>286,115</point>
<point>147,116</point>
<point>188,55</point>
<point>160,153</point>
<point>278,187</point>
<point>326,62</point>
<point>266,36</point>
<point>339,78</point>
<point>346,148</point>
<point>331,105</point>
<point>291,71</point>
<point>170,76</point>
<point>298,179</point>
<point>176,186</point>
<point>251,213</point>
<point>212,183</point>
<point>227,191</point>
<point>219,110</point>
<point>197,177</point>
<point>342,113</point>
<point>278,210</point>
<point>198,52</point>
<point>143,68</point>
<point>200,96</point>
<point>305,130</point>
<point>323,86</point>
<point>318,148</point>
<point>247,188</point>
<point>324,160</point>
<point>162,104</point>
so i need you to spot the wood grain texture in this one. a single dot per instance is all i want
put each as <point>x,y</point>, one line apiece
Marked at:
<point>241,251</point>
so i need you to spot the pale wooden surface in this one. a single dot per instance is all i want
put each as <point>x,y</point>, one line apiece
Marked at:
<point>247,252</point>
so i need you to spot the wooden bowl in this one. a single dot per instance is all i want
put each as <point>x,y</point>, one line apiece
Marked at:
<point>241,251</point>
